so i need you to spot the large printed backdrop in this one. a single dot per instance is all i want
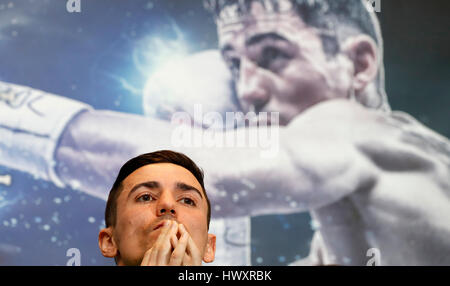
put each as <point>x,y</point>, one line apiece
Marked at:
<point>104,55</point>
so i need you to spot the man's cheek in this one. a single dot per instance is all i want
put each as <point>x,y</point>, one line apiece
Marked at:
<point>199,234</point>
<point>136,227</point>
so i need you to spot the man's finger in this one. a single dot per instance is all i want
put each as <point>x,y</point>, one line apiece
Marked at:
<point>145,261</point>
<point>159,243</point>
<point>179,252</point>
<point>194,252</point>
<point>165,247</point>
<point>174,241</point>
<point>192,249</point>
<point>187,260</point>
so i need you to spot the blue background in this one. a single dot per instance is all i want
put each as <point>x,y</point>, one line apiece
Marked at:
<point>104,55</point>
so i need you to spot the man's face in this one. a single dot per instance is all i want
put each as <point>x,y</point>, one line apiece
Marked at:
<point>279,65</point>
<point>150,195</point>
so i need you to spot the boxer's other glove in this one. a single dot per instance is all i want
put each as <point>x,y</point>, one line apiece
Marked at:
<point>31,122</point>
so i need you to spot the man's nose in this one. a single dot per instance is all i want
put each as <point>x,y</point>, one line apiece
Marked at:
<point>251,90</point>
<point>166,205</point>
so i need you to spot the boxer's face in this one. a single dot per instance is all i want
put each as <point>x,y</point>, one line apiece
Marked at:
<point>148,191</point>
<point>279,64</point>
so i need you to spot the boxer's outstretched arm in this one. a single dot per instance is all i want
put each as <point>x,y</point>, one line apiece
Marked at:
<point>312,166</point>
<point>320,158</point>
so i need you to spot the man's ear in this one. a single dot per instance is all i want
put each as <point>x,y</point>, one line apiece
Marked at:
<point>362,51</point>
<point>210,249</point>
<point>106,243</point>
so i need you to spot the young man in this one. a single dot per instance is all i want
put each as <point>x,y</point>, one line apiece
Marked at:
<point>158,213</point>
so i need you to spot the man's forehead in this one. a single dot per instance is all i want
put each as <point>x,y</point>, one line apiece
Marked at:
<point>163,173</point>
<point>287,25</point>
<point>233,12</point>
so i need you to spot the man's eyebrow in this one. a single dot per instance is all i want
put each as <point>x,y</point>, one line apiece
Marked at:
<point>256,39</point>
<point>148,184</point>
<point>155,185</point>
<point>185,187</point>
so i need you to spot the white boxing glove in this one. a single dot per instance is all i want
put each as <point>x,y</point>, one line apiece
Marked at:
<point>197,84</point>
<point>31,122</point>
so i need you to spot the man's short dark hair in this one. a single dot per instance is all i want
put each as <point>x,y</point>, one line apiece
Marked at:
<point>323,14</point>
<point>163,156</point>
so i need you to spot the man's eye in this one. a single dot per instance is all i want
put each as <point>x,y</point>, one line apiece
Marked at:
<point>272,58</point>
<point>188,201</point>
<point>145,198</point>
<point>273,53</point>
